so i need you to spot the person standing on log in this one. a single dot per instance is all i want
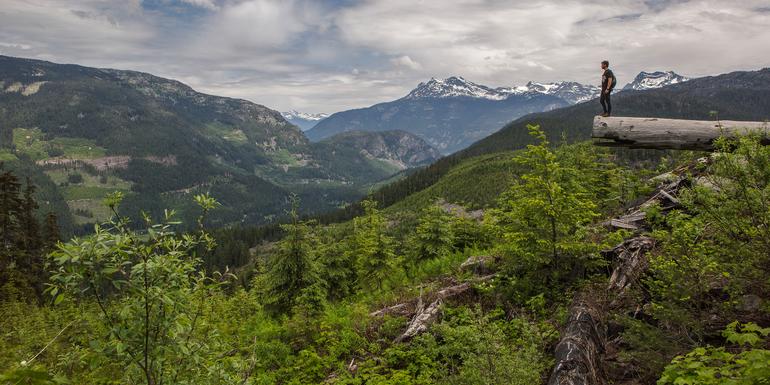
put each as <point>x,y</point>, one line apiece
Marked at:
<point>608,84</point>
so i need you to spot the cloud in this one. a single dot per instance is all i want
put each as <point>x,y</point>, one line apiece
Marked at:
<point>328,55</point>
<point>406,61</point>
<point>207,4</point>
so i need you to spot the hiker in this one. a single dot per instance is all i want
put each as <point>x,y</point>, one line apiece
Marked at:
<point>608,84</point>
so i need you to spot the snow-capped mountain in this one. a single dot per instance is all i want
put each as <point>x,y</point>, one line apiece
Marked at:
<point>572,92</point>
<point>650,80</point>
<point>456,86</point>
<point>453,87</point>
<point>303,120</point>
<point>449,114</point>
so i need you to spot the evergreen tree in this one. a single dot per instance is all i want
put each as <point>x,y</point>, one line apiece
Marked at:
<point>293,269</point>
<point>10,204</point>
<point>543,218</point>
<point>372,248</point>
<point>28,223</point>
<point>338,266</point>
<point>434,236</point>
<point>52,233</point>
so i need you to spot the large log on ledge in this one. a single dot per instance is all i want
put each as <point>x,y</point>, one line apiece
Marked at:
<point>670,133</point>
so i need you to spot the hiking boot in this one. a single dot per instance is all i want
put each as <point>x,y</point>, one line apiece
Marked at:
<point>604,115</point>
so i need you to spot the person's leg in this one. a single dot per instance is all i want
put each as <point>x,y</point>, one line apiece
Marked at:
<point>602,100</point>
<point>609,104</point>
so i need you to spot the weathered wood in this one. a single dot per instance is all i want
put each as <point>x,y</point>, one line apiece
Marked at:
<point>425,316</point>
<point>581,348</point>
<point>578,354</point>
<point>630,259</point>
<point>675,134</point>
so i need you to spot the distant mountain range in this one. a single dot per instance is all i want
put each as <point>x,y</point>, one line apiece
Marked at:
<point>304,121</point>
<point>452,113</point>
<point>743,95</point>
<point>456,86</point>
<point>159,141</point>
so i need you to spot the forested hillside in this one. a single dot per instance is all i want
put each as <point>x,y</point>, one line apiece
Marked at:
<point>92,131</point>
<point>436,294</point>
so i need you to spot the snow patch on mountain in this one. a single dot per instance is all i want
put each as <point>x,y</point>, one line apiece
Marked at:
<point>456,86</point>
<point>303,115</point>
<point>572,92</point>
<point>652,80</point>
<point>303,120</point>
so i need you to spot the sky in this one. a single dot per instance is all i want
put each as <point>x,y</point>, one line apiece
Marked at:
<point>332,55</point>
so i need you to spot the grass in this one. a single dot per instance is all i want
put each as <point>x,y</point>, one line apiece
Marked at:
<point>475,183</point>
<point>31,141</point>
<point>385,167</point>
<point>7,156</point>
<point>87,195</point>
<point>284,157</point>
<point>79,148</point>
<point>100,212</point>
<point>59,176</point>
<point>77,192</point>
<point>227,133</point>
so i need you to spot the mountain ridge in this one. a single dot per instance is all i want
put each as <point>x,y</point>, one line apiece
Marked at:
<point>157,139</point>
<point>453,113</point>
<point>303,120</point>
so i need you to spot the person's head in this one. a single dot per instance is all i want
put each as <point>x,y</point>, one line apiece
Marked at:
<point>605,65</point>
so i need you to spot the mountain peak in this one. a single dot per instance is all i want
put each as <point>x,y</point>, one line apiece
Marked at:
<point>454,86</point>
<point>457,86</point>
<point>303,120</point>
<point>294,114</point>
<point>650,80</point>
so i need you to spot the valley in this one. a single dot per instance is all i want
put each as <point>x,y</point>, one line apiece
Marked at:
<point>158,140</point>
<point>182,207</point>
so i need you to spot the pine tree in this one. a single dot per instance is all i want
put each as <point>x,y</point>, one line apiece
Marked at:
<point>372,248</point>
<point>339,269</point>
<point>52,233</point>
<point>30,229</point>
<point>434,236</point>
<point>293,268</point>
<point>543,218</point>
<point>10,203</point>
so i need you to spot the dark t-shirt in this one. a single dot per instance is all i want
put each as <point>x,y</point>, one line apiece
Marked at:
<point>608,76</point>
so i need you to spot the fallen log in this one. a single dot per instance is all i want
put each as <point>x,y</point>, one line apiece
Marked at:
<point>664,196</point>
<point>422,316</point>
<point>425,316</point>
<point>677,134</point>
<point>578,354</point>
<point>580,351</point>
<point>630,262</point>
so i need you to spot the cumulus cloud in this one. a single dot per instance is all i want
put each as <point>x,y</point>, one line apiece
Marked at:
<point>328,55</point>
<point>406,61</point>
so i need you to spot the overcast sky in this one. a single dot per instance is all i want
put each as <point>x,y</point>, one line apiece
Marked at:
<point>331,55</point>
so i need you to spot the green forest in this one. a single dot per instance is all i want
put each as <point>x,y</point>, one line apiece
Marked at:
<point>405,287</point>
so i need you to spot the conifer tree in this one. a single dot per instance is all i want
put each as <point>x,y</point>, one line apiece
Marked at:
<point>52,232</point>
<point>434,236</point>
<point>339,269</point>
<point>10,203</point>
<point>29,227</point>
<point>372,248</point>
<point>544,216</point>
<point>293,269</point>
